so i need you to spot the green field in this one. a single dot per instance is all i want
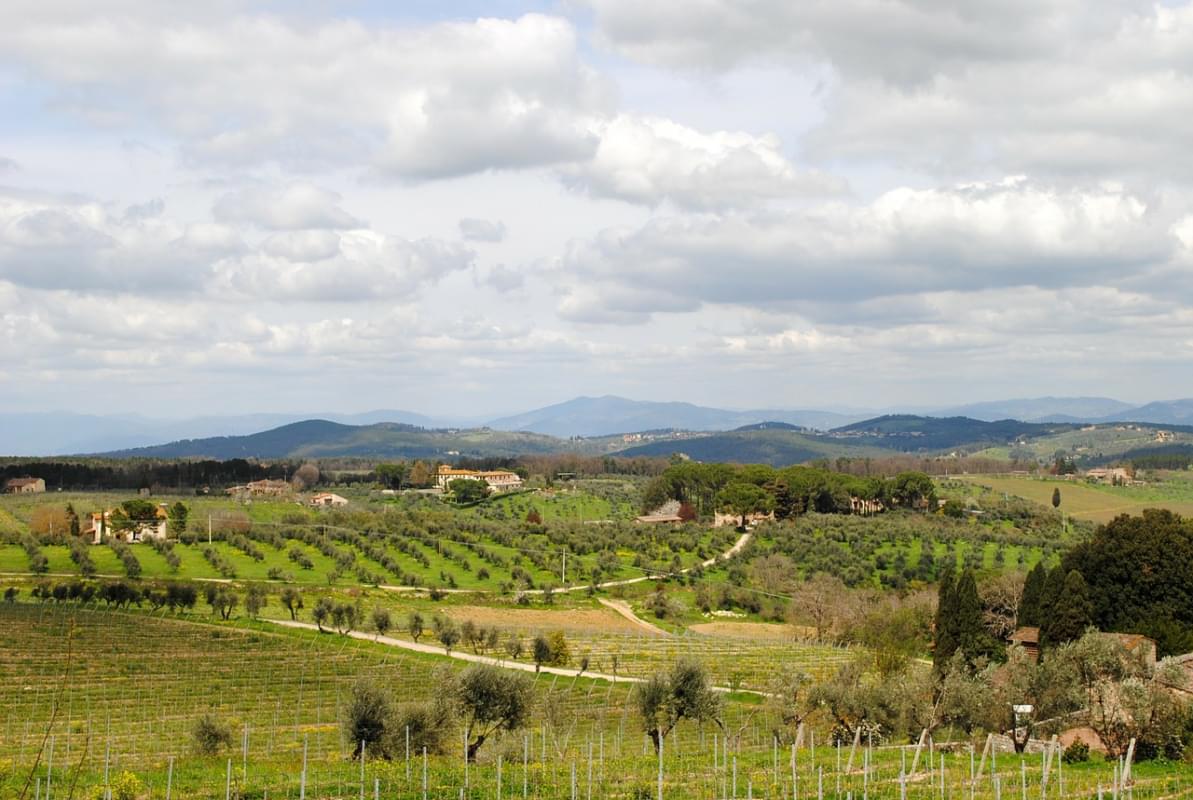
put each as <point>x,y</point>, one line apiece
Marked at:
<point>422,542</point>
<point>1096,502</point>
<point>77,681</point>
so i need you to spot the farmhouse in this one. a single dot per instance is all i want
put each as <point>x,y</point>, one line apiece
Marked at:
<point>498,480</point>
<point>721,520</point>
<point>1028,637</point>
<point>659,519</point>
<point>24,486</point>
<point>263,488</point>
<point>864,507</point>
<point>1138,645</point>
<point>1114,475</point>
<point>101,526</point>
<point>327,499</point>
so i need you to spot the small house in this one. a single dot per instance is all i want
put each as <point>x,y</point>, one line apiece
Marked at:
<point>24,486</point>
<point>327,500</point>
<point>1028,637</point>
<point>101,526</point>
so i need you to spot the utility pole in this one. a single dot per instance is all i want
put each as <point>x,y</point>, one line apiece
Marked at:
<point>564,574</point>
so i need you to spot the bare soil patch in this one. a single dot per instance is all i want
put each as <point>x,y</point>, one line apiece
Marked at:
<point>577,620</point>
<point>760,631</point>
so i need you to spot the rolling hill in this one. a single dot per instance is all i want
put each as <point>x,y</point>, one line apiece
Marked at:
<point>608,415</point>
<point>777,446</point>
<point>1167,412</point>
<point>914,434</point>
<point>1040,409</point>
<point>322,438</point>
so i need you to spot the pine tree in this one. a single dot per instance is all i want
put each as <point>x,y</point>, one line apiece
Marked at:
<point>1072,614</point>
<point>1033,590</point>
<point>1056,497</point>
<point>945,622</point>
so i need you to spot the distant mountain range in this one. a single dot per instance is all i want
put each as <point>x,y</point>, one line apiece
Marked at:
<point>1041,409</point>
<point>60,433</point>
<point>319,438</point>
<point>608,415</point>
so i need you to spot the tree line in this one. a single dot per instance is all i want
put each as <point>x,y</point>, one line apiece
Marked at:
<point>787,492</point>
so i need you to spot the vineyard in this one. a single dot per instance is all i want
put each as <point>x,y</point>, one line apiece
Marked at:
<point>75,710</point>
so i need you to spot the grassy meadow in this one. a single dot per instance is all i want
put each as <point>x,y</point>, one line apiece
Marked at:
<point>1096,502</point>
<point>74,710</point>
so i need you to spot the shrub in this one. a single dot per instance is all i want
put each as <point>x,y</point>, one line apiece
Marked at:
<point>1076,753</point>
<point>124,786</point>
<point>211,735</point>
<point>560,653</point>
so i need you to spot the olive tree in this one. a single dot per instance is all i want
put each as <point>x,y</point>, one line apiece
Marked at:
<point>414,624</point>
<point>292,599</point>
<point>446,632</point>
<point>381,621</point>
<point>367,718</point>
<point>683,693</point>
<point>489,699</point>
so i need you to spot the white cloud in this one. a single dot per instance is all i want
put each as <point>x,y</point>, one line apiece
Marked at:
<point>899,41</point>
<point>650,159</point>
<point>76,244</point>
<point>445,99</point>
<point>309,246</point>
<point>70,242</point>
<point>502,278</point>
<point>907,242</point>
<point>365,265</point>
<point>955,90</point>
<point>482,230</point>
<point>291,207</point>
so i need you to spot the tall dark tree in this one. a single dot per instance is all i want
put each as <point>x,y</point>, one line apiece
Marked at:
<point>1033,592</point>
<point>1071,615</point>
<point>972,637</point>
<point>945,643</point>
<point>1050,593</point>
<point>1056,497</point>
<point>1139,570</point>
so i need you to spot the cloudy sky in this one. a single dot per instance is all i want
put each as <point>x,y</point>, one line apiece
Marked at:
<point>467,207</point>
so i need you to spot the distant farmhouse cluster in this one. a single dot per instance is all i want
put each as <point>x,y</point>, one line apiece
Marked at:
<point>500,480</point>
<point>273,489</point>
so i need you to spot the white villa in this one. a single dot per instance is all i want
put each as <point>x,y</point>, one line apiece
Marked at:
<point>498,480</point>
<point>101,526</point>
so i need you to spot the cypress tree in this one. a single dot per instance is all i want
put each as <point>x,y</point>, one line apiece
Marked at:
<point>972,637</point>
<point>1033,590</point>
<point>946,621</point>
<point>1072,614</point>
<point>1050,594</point>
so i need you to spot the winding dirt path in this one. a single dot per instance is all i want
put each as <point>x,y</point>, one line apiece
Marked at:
<point>431,649</point>
<point>623,608</point>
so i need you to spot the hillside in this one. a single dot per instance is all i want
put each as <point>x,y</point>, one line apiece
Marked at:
<point>1169,412</point>
<point>321,438</point>
<point>604,416</point>
<point>913,434</point>
<point>1039,409</point>
<point>776,446</point>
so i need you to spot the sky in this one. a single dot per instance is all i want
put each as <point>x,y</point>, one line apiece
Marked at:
<point>476,208</point>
